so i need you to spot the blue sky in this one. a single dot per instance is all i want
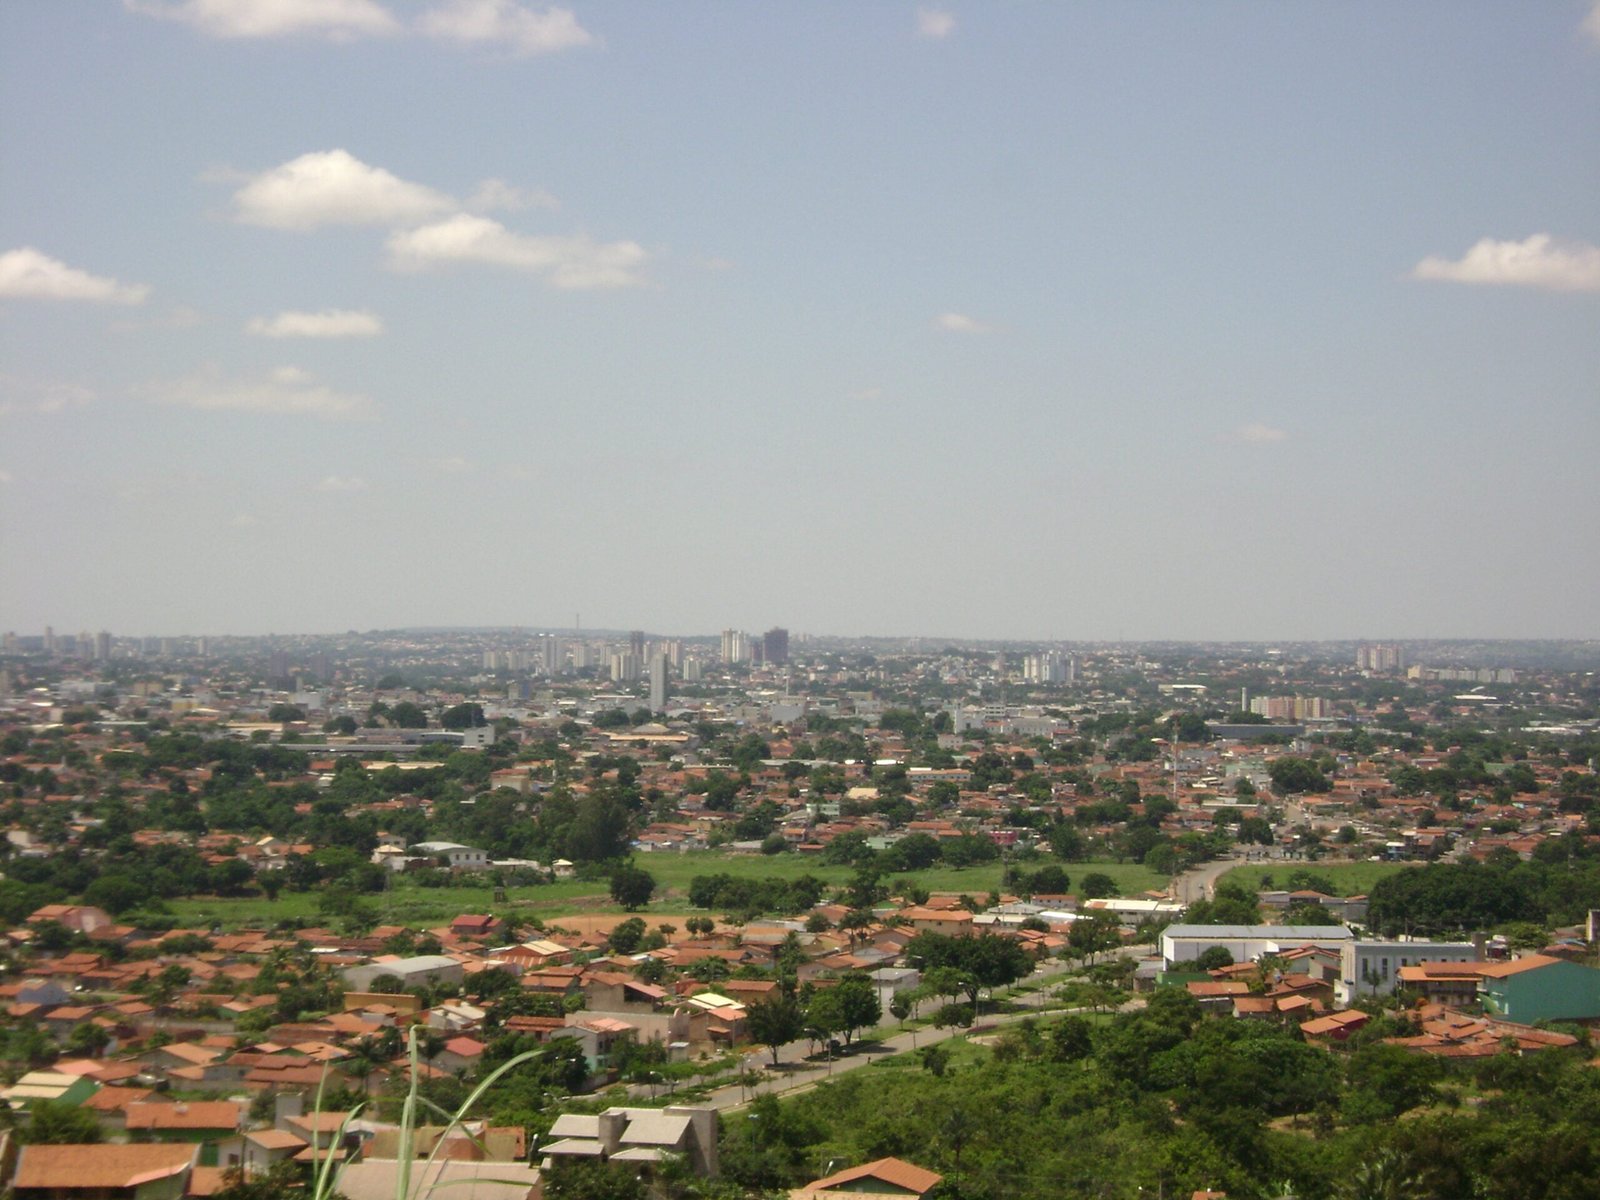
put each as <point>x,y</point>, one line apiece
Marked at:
<point>1081,321</point>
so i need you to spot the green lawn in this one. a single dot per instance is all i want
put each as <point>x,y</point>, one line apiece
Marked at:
<point>407,904</point>
<point>1348,879</point>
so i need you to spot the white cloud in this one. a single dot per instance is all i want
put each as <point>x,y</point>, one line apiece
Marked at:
<point>28,274</point>
<point>5,476</point>
<point>330,323</point>
<point>1538,262</point>
<point>497,193</point>
<point>1256,434</point>
<point>40,396</point>
<point>867,395</point>
<point>452,465</point>
<point>954,322</point>
<point>333,187</point>
<point>245,521</point>
<point>288,391</point>
<point>934,23</point>
<point>567,262</point>
<point>1591,23</point>
<point>503,22</point>
<point>339,20</point>
<point>340,483</point>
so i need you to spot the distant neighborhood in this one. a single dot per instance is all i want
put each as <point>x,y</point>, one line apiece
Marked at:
<point>258,892</point>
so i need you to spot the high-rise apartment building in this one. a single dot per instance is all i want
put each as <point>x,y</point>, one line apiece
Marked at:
<point>1291,708</point>
<point>735,647</point>
<point>1380,656</point>
<point>658,683</point>
<point>1049,666</point>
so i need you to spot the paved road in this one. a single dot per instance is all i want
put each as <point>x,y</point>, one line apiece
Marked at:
<point>796,1072</point>
<point>1198,883</point>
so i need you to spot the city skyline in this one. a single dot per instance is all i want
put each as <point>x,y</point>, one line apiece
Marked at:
<point>1040,323</point>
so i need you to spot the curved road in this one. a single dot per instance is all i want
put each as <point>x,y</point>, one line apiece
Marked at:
<point>795,1072</point>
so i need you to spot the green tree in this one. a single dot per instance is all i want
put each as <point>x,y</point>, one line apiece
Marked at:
<point>463,716</point>
<point>1214,957</point>
<point>632,887</point>
<point>1292,775</point>
<point>407,715</point>
<point>626,936</point>
<point>1093,934</point>
<point>1096,885</point>
<point>54,1123</point>
<point>775,1022</point>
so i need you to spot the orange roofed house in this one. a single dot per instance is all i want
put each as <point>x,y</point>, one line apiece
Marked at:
<point>103,1172</point>
<point>885,1177</point>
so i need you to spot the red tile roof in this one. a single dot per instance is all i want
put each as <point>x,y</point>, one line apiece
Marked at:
<point>102,1167</point>
<point>894,1171</point>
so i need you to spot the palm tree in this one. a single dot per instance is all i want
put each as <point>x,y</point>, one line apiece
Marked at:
<point>1386,1177</point>
<point>956,1131</point>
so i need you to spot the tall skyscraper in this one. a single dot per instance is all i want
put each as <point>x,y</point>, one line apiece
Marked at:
<point>775,646</point>
<point>636,644</point>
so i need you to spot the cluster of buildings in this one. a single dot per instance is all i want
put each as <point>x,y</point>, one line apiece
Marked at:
<point>1467,999</point>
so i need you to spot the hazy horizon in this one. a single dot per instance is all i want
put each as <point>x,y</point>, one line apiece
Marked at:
<point>1080,322</point>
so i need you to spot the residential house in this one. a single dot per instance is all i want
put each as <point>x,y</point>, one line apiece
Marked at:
<point>55,1086</point>
<point>459,1055</point>
<point>185,1120</point>
<point>80,918</point>
<point>638,1135</point>
<point>1538,987</point>
<point>103,1172</point>
<point>454,855</point>
<point>884,1177</point>
<point>256,1151</point>
<point>377,1179</point>
<point>478,926</point>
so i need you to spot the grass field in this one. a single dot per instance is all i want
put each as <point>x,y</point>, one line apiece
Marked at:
<point>407,904</point>
<point>1348,879</point>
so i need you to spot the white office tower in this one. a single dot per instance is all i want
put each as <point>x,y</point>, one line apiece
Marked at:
<point>625,667</point>
<point>673,648</point>
<point>582,656</point>
<point>658,683</point>
<point>693,670</point>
